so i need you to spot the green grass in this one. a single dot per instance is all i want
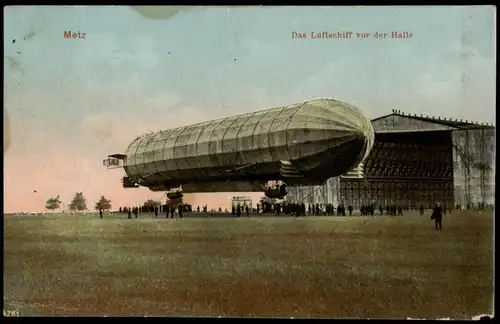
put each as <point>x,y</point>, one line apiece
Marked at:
<point>269,266</point>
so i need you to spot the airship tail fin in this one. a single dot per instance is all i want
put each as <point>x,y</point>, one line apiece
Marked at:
<point>356,173</point>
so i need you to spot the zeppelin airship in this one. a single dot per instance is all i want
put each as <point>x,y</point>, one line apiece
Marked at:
<point>265,151</point>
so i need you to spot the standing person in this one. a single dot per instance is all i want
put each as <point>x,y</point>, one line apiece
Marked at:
<point>233,211</point>
<point>100,212</point>
<point>238,211</point>
<point>156,211</point>
<point>421,210</point>
<point>247,210</point>
<point>437,216</point>
<point>129,213</point>
<point>349,208</point>
<point>400,210</point>
<point>180,210</point>
<point>172,211</point>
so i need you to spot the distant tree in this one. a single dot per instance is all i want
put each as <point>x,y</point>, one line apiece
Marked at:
<point>78,203</point>
<point>103,203</point>
<point>53,203</point>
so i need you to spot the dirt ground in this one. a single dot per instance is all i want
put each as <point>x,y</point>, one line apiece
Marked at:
<point>354,267</point>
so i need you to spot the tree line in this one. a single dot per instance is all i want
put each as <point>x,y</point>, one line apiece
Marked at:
<point>79,203</point>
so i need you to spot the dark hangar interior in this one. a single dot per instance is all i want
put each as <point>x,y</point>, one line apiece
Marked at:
<point>416,160</point>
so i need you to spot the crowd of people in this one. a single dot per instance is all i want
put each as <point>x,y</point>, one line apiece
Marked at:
<point>326,209</point>
<point>290,209</point>
<point>293,209</point>
<point>170,211</point>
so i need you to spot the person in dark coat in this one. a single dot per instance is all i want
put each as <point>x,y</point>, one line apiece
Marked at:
<point>349,208</point>
<point>100,212</point>
<point>437,216</point>
<point>172,212</point>
<point>233,211</point>
<point>129,213</point>
<point>238,211</point>
<point>421,210</point>
<point>156,212</point>
<point>180,210</point>
<point>247,210</point>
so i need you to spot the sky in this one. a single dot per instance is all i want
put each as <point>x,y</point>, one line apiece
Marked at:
<point>71,102</point>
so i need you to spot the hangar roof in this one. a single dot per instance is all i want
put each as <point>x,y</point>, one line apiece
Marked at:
<point>398,121</point>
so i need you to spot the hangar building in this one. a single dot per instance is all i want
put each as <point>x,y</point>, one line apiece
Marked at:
<point>416,160</point>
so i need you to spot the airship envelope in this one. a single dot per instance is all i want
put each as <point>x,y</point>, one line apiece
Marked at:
<point>303,143</point>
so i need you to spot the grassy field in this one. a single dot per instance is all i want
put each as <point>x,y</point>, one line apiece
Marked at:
<point>263,266</point>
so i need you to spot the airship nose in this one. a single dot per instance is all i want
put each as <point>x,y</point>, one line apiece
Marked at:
<point>362,130</point>
<point>361,135</point>
<point>366,133</point>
